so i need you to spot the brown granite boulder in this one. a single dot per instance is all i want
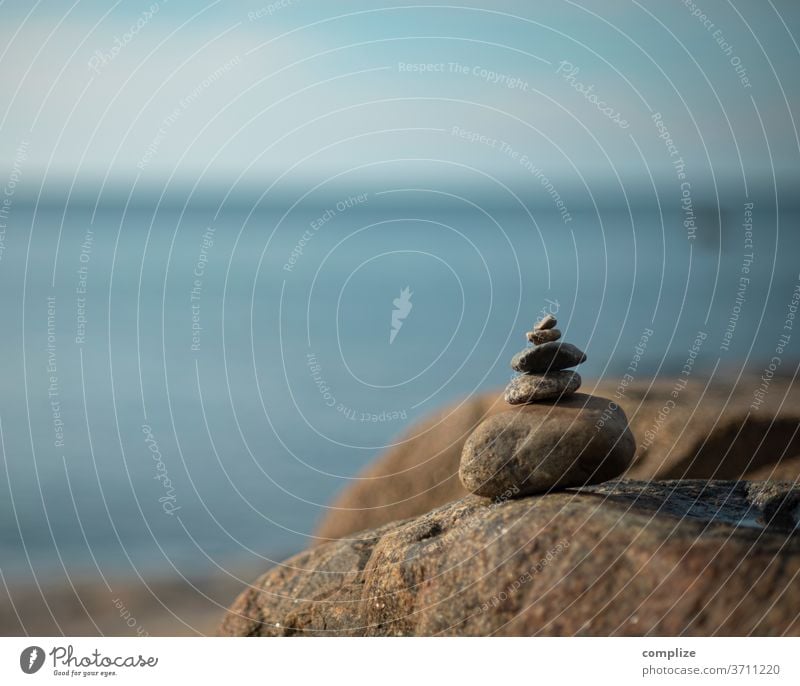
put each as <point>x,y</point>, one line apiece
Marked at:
<point>624,558</point>
<point>707,431</point>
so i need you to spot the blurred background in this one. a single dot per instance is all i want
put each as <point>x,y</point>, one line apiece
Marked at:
<point>209,213</point>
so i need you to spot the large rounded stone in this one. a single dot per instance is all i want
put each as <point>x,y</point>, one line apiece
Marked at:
<point>548,357</point>
<point>527,388</point>
<point>553,445</point>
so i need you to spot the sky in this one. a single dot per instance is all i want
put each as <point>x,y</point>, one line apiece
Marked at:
<point>292,91</point>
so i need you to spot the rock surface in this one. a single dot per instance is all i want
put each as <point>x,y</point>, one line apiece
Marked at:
<point>575,441</point>
<point>527,388</point>
<point>547,357</point>
<point>623,558</point>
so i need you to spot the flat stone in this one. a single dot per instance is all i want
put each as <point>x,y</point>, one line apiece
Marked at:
<point>546,322</point>
<point>547,446</point>
<point>547,357</point>
<point>528,388</point>
<point>543,336</point>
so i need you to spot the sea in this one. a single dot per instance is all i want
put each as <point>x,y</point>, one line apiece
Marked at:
<point>186,386</point>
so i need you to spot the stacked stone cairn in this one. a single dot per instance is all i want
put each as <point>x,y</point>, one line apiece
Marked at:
<point>544,366</point>
<point>552,438</point>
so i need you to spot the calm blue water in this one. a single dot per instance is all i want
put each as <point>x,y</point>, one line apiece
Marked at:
<point>290,385</point>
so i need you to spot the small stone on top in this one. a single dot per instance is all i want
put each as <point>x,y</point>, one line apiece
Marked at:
<point>546,322</point>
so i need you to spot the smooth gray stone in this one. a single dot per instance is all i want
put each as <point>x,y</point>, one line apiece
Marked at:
<point>577,441</point>
<point>546,322</point>
<point>548,357</point>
